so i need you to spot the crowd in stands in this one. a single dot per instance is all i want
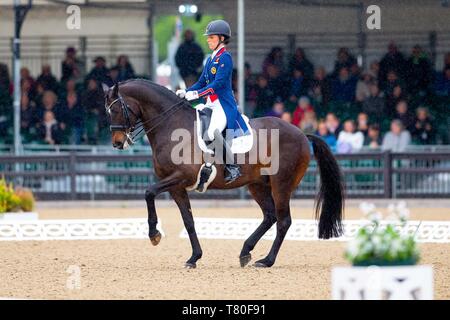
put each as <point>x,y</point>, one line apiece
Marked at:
<point>68,111</point>
<point>398,101</point>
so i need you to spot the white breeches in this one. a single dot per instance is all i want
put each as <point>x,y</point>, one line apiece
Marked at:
<point>218,117</point>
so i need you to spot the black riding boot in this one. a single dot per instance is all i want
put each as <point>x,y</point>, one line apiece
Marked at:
<point>231,170</point>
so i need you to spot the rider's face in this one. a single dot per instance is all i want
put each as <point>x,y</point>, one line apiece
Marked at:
<point>213,41</point>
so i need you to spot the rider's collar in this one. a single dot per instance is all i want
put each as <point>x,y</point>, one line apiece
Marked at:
<point>221,46</point>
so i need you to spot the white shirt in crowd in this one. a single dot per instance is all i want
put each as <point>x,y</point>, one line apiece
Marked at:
<point>396,143</point>
<point>354,139</point>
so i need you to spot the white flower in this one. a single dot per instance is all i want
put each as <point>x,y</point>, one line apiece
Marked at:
<point>367,207</point>
<point>396,247</point>
<point>375,217</point>
<point>403,214</point>
<point>353,248</point>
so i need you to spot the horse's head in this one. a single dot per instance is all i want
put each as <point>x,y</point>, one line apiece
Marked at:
<point>123,113</point>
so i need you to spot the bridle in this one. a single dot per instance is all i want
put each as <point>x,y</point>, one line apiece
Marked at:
<point>128,129</point>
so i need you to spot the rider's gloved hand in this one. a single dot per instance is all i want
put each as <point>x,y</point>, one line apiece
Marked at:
<point>181,93</point>
<point>191,95</point>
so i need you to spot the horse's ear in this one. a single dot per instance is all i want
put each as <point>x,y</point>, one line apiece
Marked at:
<point>105,88</point>
<point>115,90</point>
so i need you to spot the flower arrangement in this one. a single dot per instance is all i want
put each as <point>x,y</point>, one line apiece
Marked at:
<point>15,200</point>
<point>382,245</point>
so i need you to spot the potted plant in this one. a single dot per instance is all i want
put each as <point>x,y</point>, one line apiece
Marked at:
<point>375,244</point>
<point>16,203</point>
<point>384,261</point>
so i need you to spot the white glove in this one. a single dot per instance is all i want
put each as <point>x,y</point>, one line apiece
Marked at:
<point>181,93</point>
<point>191,95</point>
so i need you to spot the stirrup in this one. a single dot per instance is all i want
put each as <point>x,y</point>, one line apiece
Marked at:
<point>231,173</point>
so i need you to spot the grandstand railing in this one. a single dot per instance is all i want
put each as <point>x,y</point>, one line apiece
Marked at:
<point>78,175</point>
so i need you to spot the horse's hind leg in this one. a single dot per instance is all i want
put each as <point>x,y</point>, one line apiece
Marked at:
<point>262,195</point>
<point>182,200</point>
<point>283,214</point>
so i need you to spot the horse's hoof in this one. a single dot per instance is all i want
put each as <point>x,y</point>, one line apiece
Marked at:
<point>261,264</point>
<point>190,265</point>
<point>244,260</point>
<point>156,239</point>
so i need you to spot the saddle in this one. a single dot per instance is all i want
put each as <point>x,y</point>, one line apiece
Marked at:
<point>241,142</point>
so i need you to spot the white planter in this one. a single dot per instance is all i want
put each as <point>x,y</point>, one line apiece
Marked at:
<point>19,216</point>
<point>382,283</point>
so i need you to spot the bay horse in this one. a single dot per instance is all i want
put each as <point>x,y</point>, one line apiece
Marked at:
<point>161,112</point>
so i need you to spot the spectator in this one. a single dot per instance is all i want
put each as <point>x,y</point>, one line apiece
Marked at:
<point>277,110</point>
<point>374,105</point>
<point>349,140</point>
<point>276,82</point>
<point>309,122</point>
<point>189,59</point>
<point>418,71</point>
<point>124,68</point>
<point>298,85</point>
<point>324,133</point>
<point>423,130</point>
<point>374,70</point>
<point>344,87</point>
<point>398,139</point>
<point>393,60</point>
<point>49,130</point>
<point>373,138</point>
<point>393,99</point>
<point>391,82</point>
<point>286,116</point>
<point>333,124</point>
<point>72,118</point>
<point>402,113</point>
<point>29,118</point>
<point>300,62</point>
<point>363,123</point>
<point>47,79</point>
<point>363,87</point>
<point>100,72</point>
<point>344,60</point>
<point>5,102</point>
<point>303,106</point>
<point>274,58</point>
<point>265,97</point>
<point>320,89</point>
<point>442,84</point>
<point>71,66</point>
<point>251,94</point>
<point>49,103</point>
<point>93,103</point>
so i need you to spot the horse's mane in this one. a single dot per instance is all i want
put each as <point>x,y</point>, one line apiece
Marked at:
<point>160,89</point>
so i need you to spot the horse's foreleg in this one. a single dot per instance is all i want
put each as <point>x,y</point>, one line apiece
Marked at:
<point>150,195</point>
<point>182,200</point>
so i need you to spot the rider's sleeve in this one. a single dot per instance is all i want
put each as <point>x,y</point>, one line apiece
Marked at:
<point>223,76</point>
<point>201,81</point>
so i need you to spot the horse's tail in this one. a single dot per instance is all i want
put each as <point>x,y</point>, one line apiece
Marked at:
<point>329,204</point>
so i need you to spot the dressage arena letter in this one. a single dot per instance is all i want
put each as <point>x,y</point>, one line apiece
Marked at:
<point>374,20</point>
<point>74,280</point>
<point>74,20</point>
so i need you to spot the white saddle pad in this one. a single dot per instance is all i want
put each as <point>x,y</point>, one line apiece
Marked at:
<point>241,144</point>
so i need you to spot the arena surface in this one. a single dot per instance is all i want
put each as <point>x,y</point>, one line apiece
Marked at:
<point>134,269</point>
